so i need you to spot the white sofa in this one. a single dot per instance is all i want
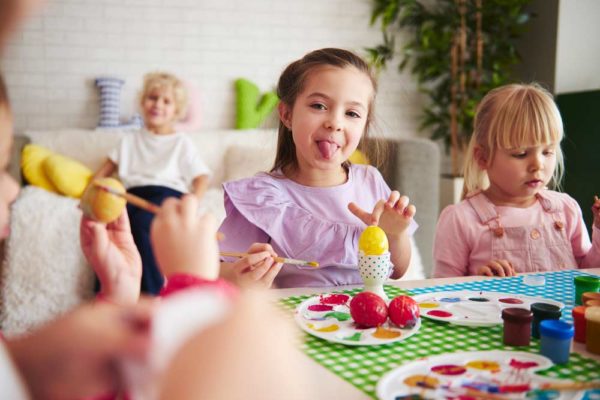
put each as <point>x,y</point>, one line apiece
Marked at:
<point>43,270</point>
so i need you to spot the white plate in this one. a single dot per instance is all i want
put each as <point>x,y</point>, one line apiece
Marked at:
<point>336,325</point>
<point>450,374</point>
<point>473,308</point>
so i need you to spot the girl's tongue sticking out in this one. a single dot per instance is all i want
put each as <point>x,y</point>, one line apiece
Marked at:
<point>327,148</point>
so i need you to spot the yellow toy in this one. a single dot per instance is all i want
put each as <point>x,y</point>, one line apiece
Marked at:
<point>373,241</point>
<point>101,205</point>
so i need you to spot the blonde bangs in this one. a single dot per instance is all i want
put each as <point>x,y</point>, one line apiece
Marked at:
<point>526,118</point>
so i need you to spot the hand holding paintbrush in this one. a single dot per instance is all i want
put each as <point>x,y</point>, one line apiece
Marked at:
<point>596,211</point>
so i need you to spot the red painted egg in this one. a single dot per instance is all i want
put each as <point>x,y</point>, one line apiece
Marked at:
<point>404,311</point>
<point>368,309</point>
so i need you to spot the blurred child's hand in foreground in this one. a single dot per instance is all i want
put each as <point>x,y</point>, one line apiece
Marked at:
<point>112,253</point>
<point>496,268</point>
<point>596,212</point>
<point>183,241</point>
<point>254,347</point>
<point>78,355</point>
<point>258,269</point>
<point>393,216</point>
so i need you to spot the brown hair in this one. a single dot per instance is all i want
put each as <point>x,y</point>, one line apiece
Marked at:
<point>162,80</point>
<point>4,101</point>
<point>292,82</point>
<point>513,116</point>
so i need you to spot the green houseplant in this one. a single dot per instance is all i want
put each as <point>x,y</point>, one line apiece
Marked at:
<point>457,49</point>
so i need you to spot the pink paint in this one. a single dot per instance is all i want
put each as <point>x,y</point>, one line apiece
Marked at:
<point>439,313</point>
<point>522,364</point>
<point>449,369</point>
<point>510,300</point>
<point>335,299</point>
<point>320,307</point>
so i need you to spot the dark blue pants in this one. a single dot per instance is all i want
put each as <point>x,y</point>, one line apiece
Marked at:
<point>152,279</point>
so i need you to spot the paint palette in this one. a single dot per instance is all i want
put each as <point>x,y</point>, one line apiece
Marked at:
<point>473,308</point>
<point>478,374</point>
<point>327,316</point>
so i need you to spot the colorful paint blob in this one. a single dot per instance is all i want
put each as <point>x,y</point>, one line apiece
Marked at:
<point>340,316</point>
<point>330,328</point>
<point>450,299</point>
<point>320,307</point>
<point>383,333</point>
<point>354,338</point>
<point>422,381</point>
<point>510,300</point>
<point>542,395</point>
<point>484,365</point>
<point>428,305</point>
<point>479,299</point>
<point>334,299</point>
<point>439,313</point>
<point>449,369</point>
<point>516,364</point>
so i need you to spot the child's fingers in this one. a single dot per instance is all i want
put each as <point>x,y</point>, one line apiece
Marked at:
<point>260,269</point>
<point>252,259</point>
<point>169,206</point>
<point>360,213</point>
<point>410,211</point>
<point>258,247</point>
<point>402,203</point>
<point>189,207</point>
<point>485,271</point>
<point>377,211</point>
<point>271,273</point>
<point>393,199</point>
<point>506,267</point>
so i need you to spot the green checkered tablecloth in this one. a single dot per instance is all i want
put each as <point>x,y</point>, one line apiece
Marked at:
<point>363,366</point>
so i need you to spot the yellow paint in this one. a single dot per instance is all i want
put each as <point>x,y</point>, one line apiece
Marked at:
<point>484,365</point>
<point>330,328</point>
<point>428,305</point>
<point>383,333</point>
<point>421,381</point>
<point>373,241</point>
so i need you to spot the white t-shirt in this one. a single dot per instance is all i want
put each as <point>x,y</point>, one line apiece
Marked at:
<point>11,384</point>
<point>144,158</point>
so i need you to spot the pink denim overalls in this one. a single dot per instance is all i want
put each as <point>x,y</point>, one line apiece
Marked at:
<point>529,248</point>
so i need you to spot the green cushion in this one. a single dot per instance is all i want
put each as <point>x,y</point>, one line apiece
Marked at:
<point>251,107</point>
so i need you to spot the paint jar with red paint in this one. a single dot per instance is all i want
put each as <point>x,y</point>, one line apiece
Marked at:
<point>592,329</point>
<point>555,340</point>
<point>541,312</point>
<point>517,326</point>
<point>579,323</point>
<point>585,283</point>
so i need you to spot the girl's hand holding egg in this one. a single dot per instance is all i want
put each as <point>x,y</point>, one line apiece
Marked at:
<point>101,205</point>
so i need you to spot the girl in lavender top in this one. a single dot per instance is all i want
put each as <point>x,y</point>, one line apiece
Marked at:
<point>314,204</point>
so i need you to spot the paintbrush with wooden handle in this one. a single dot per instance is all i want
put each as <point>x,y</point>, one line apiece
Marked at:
<point>283,260</point>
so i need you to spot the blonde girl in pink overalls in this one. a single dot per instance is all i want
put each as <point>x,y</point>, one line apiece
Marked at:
<point>509,221</point>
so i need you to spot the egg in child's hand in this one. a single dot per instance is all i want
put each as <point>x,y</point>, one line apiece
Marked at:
<point>100,204</point>
<point>373,241</point>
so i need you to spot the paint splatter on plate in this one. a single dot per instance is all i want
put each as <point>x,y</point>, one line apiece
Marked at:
<point>327,316</point>
<point>483,374</point>
<point>473,308</point>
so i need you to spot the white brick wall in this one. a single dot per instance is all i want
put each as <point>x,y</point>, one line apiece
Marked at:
<point>51,64</point>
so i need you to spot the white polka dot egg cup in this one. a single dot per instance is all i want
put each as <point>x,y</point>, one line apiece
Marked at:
<point>374,270</point>
<point>327,316</point>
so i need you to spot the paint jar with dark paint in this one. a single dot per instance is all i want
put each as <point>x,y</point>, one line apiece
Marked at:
<point>592,329</point>
<point>541,312</point>
<point>579,323</point>
<point>555,340</point>
<point>585,283</point>
<point>517,326</point>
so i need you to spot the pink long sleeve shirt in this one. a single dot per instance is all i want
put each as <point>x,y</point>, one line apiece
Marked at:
<point>549,235</point>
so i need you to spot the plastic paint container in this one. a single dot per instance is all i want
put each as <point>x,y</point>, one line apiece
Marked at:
<point>592,329</point>
<point>579,323</point>
<point>517,326</point>
<point>584,284</point>
<point>592,303</point>
<point>541,312</point>
<point>556,340</point>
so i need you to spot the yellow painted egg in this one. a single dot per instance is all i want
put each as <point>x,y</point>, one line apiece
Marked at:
<point>373,241</point>
<point>101,205</point>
